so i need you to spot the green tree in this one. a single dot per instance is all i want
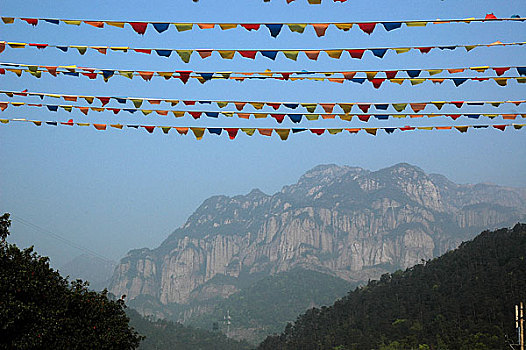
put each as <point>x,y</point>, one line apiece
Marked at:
<point>39,309</point>
<point>461,300</point>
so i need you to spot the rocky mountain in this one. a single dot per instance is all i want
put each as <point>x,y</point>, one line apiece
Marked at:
<point>347,222</point>
<point>461,300</point>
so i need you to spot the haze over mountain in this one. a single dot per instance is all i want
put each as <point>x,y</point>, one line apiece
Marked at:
<point>346,222</point>
<point>90,268</point>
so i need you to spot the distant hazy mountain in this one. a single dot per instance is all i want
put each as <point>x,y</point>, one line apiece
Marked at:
<point>346,222</point>
<point>89,268</point>
<point>463,300</point>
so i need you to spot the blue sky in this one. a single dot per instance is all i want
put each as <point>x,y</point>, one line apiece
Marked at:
<point>115,190</point>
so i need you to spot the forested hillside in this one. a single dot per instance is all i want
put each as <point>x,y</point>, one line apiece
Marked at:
<point>266,306</point>
<point>463,300</point>
<point>161,334</point>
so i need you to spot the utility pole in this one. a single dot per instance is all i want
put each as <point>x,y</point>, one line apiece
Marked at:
<point>521,320</point>
<point>227,320</point>
<point>519,323</point>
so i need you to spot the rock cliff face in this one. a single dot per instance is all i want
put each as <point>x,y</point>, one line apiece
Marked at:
<point>344,221</point>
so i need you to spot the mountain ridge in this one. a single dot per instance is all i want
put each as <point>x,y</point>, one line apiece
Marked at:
<point>463,299</point>
<point>344,221</point>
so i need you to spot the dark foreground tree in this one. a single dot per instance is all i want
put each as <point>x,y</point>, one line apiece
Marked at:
<point>39,309</point>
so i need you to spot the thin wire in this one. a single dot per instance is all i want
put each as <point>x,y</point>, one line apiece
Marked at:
<point>60,238</point>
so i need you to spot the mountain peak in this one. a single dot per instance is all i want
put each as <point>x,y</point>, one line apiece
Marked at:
<point>331,170</point>
<point>321,175</point>
<point>404,168</point>
<point>256,193</point>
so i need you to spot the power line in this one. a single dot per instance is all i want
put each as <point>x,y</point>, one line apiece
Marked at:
<point>60,238</point>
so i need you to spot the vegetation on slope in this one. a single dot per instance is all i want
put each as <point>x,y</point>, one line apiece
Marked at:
<point>462,300</point>
<point>161,334</point>
<point>39,309</point>
<point>265,307</point>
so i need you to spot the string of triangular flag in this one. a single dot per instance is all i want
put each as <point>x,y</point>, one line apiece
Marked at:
<point>311,107</point>
<point>274,29</point>
<point>283,133</point>
<point>279,117</point>
<point>147,75</point>
<point>292,54</point>
<point>205,77</point>
<point>202,77</point>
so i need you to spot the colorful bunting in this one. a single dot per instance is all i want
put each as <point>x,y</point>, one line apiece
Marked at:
<point>283,133</point>
<point>279,117</point>
<point>274,28</point>
<point>203,77</point>
<point>240,76</point>
<point>185,55</point>
<point>240,105</point>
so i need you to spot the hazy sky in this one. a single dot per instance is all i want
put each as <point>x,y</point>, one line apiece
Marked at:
<point>116,190</point>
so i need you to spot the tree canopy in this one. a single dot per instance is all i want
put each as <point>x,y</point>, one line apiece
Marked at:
<point>462,300</point>
<point>40,309</point>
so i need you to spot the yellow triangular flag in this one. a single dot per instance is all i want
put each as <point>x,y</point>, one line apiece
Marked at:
<point>81,49</point>
<point>248,131</point>
<point>137,102</point>
<point>89,99</point>
<point>438,104</point>
<point>185,55</point>
<point>115,24</point>
<point>283,133</point>
<point>16,45</point>
<point>297,27</point>
<point>402,49</point>
<point>416,24</point>
<point>198,132</point>
<point>501,81</point>
<point>293,55</point>
<point>343,26</point>
<point>126,73</point>
<point>399,107</point>
<point>334,53</point>
<point>416,81</point>
<point>311,107</point>
<point>226,26</point>
<point>434,71</point>
<point>480,69</point>
<point>72,22</point>
<point>257,105</point>
<point>119,48</point>
<point>227,54</point>
<point>181,27</point>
